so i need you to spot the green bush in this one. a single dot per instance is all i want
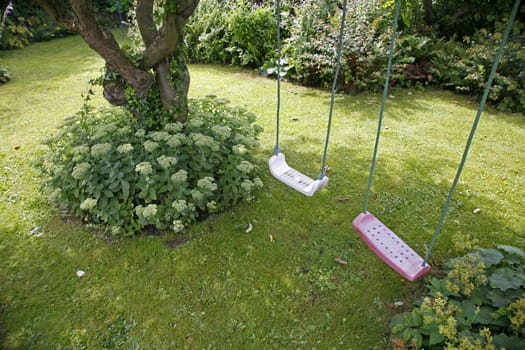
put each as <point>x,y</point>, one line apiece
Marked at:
<point>465,67</point>
<point>105,168</point>
<point>253,35</point>
<point>479,304</point>
<point>231,32</point>
<point>310,51</point>
<point>5,75</point>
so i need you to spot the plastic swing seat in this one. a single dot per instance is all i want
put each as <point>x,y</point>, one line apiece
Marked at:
<point>293,178</point>
<point>389,247</point>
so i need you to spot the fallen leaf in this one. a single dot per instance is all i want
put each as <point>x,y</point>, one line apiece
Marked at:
<point>250,228</point>
<point>80,273</point>
<point>341,261</point>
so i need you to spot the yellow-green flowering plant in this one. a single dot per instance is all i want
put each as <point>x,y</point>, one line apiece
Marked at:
<point>479,304</point>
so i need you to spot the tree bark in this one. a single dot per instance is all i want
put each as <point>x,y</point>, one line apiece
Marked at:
<point>106,46</point>
<point>430,14</point>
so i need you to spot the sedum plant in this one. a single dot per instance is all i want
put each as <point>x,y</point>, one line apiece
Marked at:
<point>479,304</point>
<point>106,168</point>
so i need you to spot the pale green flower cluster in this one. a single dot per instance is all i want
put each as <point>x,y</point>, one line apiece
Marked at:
<point>180,176</point>
<point>201,140</point>
<point>178,226</point>
<point>150,146</point>
<point>180,205</point>
<point>140,133</point>
<point>176,140</point>
<point>123,131</point>
<point>80,150</point>
<point>100,149</point>
<point>80,170</point>
<point>194,123</point>
<point>103,130</point>
<point>144,168</point>
<point>159,135</point>
<point>212,206</point>
<point>222,131</point>
<point>206,183</point>
<point>125,148</point>
<point>88,204</point>
<point>165,161</point>
<point>197,195</point>
<point>245,167</point>
<point>173,127</point>
<point>147,212</point>
<point>239,149</point>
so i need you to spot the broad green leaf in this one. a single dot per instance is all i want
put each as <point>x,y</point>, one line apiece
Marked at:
<point>508,343</point>
<point>436,338</point>
<point>487,315</point>
<point>125,189</point>
<point>511,250</point>
<point>490,257</point>
<point>505,278</point>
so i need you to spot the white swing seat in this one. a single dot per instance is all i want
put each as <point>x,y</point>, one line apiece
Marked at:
<point>294,178</point>
<point>389,247</point>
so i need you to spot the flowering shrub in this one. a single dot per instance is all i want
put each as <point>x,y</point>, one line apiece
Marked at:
<point>480,304</point>
<point>107,169</point>
<point>5,75</point>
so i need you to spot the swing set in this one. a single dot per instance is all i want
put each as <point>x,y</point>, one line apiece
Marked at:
<point>380,239</point>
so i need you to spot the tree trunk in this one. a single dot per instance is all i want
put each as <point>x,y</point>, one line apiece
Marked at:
<point>162,61</point>
<point>430,14</point>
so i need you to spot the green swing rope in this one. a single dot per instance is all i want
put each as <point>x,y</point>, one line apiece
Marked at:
<point>383,103</point>
<point>472,132</point>
<point>334,84</point>
<point>474,127</point>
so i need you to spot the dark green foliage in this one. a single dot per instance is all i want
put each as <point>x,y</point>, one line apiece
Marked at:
<point>107,169</point>
<point>232,32</point>
<point>480,302</point>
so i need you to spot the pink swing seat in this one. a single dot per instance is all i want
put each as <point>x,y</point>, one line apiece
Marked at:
<point>389,247</point>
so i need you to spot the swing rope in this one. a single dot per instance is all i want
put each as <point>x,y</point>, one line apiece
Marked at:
<point>383,103</point>
<point>474,127</point>
<point>334,84</point>
<point>119,10</point>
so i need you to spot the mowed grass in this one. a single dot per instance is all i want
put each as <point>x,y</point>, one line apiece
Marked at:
<point>218,286</point>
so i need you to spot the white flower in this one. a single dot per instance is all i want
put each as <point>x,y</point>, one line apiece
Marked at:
<point>196,195</point>
<point>180,176</point>
<point>173,127</point>
<point>245,167</point>
<point>239,149</point>
<point>88,204</point>
<point>100,149</point>
<point>165,161</point>
<point>150,146</point>
<point>178,226</point>
<point>144,168</point>
<point>222,131</point>
<point>150,211</point>
<point>140,133</point>
<point>207,183</point>
<point>80,170</point>
<point>125,148</point>
<point>159,135</point>
<point>180,205</point>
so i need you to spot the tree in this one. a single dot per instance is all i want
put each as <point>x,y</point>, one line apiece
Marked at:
<point>159,74</point>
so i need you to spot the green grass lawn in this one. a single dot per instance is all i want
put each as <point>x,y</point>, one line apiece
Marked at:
<point>278,286</point>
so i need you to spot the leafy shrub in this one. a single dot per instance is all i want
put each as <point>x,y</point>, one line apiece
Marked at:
<point>5,75</point>
<point>253,32</point>
<point>479,304</point>
<point>232,32</point>
<point>467,69</point>
<point>104,167</point>
<point>207,35</point>
<point>310,51</point>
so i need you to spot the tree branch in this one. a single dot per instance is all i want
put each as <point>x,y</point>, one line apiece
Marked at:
<point>106,46</point>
